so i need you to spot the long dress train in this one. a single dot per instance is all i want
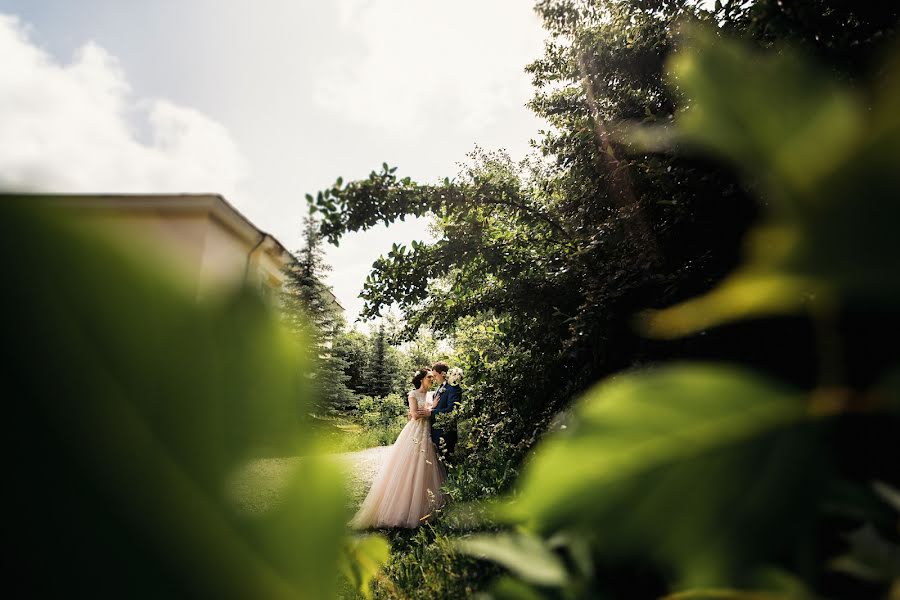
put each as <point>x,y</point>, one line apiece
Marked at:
<point>408,485</point>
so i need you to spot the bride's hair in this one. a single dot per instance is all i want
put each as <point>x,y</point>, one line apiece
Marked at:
<point>418,377</point>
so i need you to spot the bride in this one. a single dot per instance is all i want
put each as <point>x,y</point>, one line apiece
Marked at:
<point>408,486</point>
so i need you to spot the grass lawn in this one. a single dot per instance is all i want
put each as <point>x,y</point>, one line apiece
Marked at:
<point>341,434</point>
<point>258,484</point>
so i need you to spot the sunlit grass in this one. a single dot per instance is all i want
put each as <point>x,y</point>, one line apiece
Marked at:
<point>258,485</point>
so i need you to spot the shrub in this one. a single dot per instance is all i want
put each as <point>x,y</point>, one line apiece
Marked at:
<point>384,416</point>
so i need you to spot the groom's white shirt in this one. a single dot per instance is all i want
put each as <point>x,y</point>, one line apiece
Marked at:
<point>440,390</point>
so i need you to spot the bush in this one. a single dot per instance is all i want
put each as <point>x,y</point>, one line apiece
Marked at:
<point>424,564</point>
<point>383,416</point>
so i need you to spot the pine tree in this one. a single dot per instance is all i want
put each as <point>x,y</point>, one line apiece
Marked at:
<point>382,365</point>
<point>353,347</point>
<point>309,310</point>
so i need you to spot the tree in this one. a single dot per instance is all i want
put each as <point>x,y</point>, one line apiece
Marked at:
<point>611,488</point>
<point>382,365</point>
<point>568,246</point>
<point>310,310</point>
<point>421,351</point>
<point>545,263</point>
<point>353,348</point>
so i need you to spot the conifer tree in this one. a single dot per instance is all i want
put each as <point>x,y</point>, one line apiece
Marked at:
<point>310,310</point>
<point>382,365</point>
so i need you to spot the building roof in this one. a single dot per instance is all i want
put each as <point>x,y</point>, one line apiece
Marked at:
<point>214,204</point>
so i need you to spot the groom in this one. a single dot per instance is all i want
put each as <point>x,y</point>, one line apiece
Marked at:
<point>446,397</point>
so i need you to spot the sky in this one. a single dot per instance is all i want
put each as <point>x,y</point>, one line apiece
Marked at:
<point>262,101</point>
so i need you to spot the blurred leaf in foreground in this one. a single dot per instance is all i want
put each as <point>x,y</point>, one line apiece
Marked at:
<point>130,405</point>
<point>706,470</point>
<point>364,557</point>
<point>827,158</point>
<point>522,553</point>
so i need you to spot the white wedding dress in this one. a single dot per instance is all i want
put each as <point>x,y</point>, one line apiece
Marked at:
<point>408,486</point>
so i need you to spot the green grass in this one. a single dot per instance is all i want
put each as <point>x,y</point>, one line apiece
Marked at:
<point>339,434</point>
<point>257,486</point>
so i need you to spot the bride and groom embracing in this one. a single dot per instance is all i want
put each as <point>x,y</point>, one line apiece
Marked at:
<point>407,488</point>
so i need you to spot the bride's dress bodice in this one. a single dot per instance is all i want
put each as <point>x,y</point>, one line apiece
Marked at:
<point>423,399</point>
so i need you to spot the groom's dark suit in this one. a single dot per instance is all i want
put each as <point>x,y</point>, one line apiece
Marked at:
<point>447,397</point>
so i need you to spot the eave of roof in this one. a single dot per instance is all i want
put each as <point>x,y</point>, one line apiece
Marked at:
<point>214,204</point>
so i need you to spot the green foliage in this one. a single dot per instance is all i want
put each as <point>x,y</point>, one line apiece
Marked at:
<point>376,366</point>
<point>562,248</point>
<point>847,36</point>
<point>382,411</point>
<point>382,366</point>
<point>309,310</point>
<point>367,553</point>
<point>544,263</point>
<point>496,428</point>
<point>870,556</point>
<point>133,405</point>
<point>741,445</point>
<point>353,349</point>
<point>384,416</point>
<point>523,554</point>
<point>713,479</point>
<point>824,144</point>
<point>339,433</point>
<point>424,564</point>
<point>421,351</point>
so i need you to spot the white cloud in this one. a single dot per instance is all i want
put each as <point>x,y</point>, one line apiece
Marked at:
<point>409,64</point>
<point>76,128</point>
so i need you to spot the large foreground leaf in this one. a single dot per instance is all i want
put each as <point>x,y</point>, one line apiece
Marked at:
<point>129,405</point>
<point>706,469</point>
<point>364,557</point>
<point>524,554</point>
<point>826,159</point>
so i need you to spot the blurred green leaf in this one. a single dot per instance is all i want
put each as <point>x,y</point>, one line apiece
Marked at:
<point>133,406</point>
<point>887,391</point>
<point>507,588</point>
<point>741,295</point>
<point>579,549</point>
<point>828,162</point>
<point>888,494</point>
<point>871,557</point>
<point>681,464</point>
<point>770,584</point>
<point>732,91</point>
<point>363,559</point>
<point>524,554</point>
